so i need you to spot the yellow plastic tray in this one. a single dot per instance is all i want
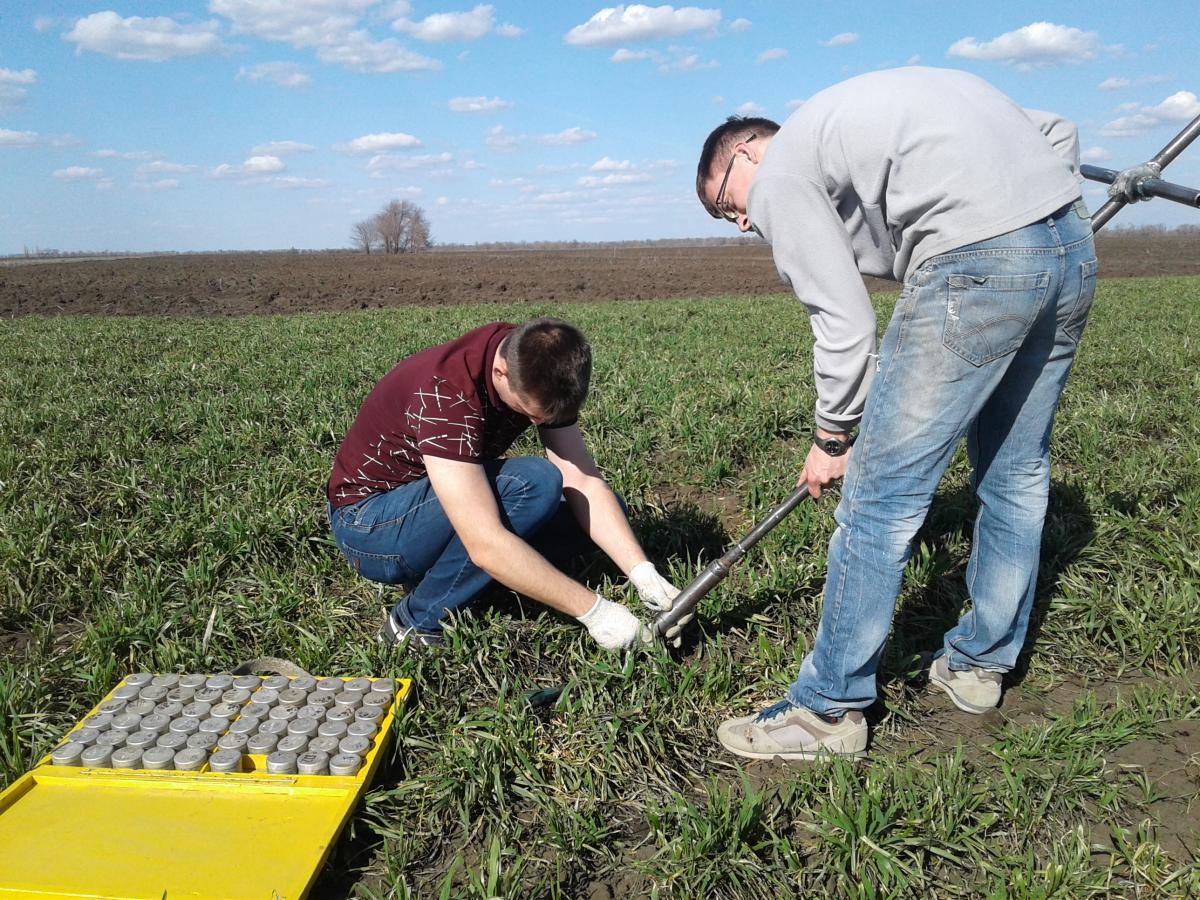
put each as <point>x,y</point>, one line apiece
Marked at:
<point>134,833</point>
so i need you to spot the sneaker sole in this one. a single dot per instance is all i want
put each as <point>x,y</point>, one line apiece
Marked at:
<point>958,701</point>
<point>799,755</point>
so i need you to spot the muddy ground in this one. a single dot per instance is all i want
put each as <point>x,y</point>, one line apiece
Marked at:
<point>255,283</point>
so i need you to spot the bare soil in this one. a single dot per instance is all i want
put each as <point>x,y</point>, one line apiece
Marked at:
<point>268,283</point>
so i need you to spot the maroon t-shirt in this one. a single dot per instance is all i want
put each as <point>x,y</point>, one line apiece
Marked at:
<point>439,402</point>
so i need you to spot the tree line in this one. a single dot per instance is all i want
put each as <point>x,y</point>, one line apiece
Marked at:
<point>397,228</point>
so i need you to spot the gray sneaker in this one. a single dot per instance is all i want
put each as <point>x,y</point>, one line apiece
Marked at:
<point>974,691</point>
<point>393,634</point>
<point>794,733</point>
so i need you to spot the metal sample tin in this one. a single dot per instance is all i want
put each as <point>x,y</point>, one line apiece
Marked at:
<point>202,740</point>
<point>304,683</point>
<point>225,761</point>
<point>348,700</point>
<point>247,682</point>
<point>140,740</point>
<point>354,745</point>
<point>111,739</point>
<point>156,722</point>
<point>225,710</point>
<point>181,694</point>
<point>333,685</point>
<point>277,727</point>
<point>326,745</point>
<point>261,743</point>
<point>158,758</point>
<point>306,728</point>
<point>363,729</point>
<point>255,710</point>
<point>340,714</point>
<point>244,725</point>
<point>377,700</point>
<point>219,682</point>
<point>369,714</point>
<point>384,686</point>
<point>127,758</point>
<point>208,695</point>
<point>169,708</point>
<point>276,682</point>
<point>191,759</point>
<point>283,713</point>
<point>197,709</point>
<point>84,736</point>
<point>215,725</point>
<point>313,711</point>
<point>153,692</point>
<point>235,696</point>
<point>292,743</point>
<point>281,762</point>
<point>334,728</point>
<point>139,679</point>
<point>344,764</point>
<point>67,754</point>
<point>112,707</point>
<point>140,707</point>
<point>233,741</point>
<point>265,696</point>
<point>167,680</point>
<point>126,692</point>
<point>292,697</point>
<point>98,756</point>
<point>99,721</point>
<point>323,699</point>
<point>193,682</point>
<point>172,741</point>
<point>312,762</point>
<point>358,685</point>
<point>184,725</point>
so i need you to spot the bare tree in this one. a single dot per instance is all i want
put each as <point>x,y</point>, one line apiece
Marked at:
<point>364,235</point>
<point>401,226</point>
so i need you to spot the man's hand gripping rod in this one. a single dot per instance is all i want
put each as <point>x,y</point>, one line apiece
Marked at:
<point>1137,183</point>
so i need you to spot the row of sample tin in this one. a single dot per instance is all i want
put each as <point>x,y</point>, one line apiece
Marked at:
<point>298,725</point>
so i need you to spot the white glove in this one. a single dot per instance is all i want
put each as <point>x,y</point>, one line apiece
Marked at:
<point>613,626</point>
<point>656,592</point>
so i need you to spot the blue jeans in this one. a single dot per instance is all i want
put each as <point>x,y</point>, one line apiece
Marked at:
<point>404,537</point>
<point>980,344</point>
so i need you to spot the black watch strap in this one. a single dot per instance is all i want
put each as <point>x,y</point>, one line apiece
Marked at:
<point>831,446</point>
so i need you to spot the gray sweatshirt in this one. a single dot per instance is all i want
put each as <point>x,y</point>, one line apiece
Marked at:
<point>876,175</point>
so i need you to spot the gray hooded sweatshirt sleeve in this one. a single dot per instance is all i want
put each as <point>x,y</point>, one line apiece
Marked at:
<point>878,174</point>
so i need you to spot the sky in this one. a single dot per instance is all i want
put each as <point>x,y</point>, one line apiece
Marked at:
<point>263,124</point>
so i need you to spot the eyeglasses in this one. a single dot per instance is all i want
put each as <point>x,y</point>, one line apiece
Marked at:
<point>728,213</point>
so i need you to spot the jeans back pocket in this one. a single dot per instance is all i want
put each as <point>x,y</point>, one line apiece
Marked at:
<point>989,316</point>
<point>1072,324</point>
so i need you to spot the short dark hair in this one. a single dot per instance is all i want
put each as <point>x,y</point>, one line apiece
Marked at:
<point>720,145</point>
<point>550,362</point>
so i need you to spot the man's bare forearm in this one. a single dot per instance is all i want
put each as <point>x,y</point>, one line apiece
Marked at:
<point>516,565</point>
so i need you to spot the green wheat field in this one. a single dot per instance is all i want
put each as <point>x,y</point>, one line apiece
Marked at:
<point>162,509</point>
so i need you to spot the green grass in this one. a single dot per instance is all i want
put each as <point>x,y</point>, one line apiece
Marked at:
<point>161,508</point>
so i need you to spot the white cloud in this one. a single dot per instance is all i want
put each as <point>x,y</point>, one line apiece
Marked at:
<point>42,24</point>
<point>281,74</point>
<point>330,27</point>
<point>281,148</point>
<point>12,86</point>
<point>10,138</point>
<point>509,31</point>
<point>621,24</point>
<point>739,25</point>
<point>575,135</point>
<point>623,55</point>
<point>379,143</point>
<point>841,40</point>
<point>140,155</point>
<point>454,26</point>
<point>768,55</point>
<point>378,166</point>
<point>141,39</point>
<point>162,184</point>
<point>160,167</point>
<point>613,179</point>
<point>1035,46</point>
<point>1182,106</point>
<point>500,138</point>
<point>1113,84</point>
<point>682,61</point>
<point>300,184</point>
<point>1095,154</point>
<point>605,164</point>
<point>750,108</point>
<point>77,173</point>
<point>478,104</point>
<point>263,165</point>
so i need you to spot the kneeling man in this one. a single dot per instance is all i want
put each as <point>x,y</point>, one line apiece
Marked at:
<point>421,495</point>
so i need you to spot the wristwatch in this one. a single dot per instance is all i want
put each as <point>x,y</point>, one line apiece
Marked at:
<point>831,446</point>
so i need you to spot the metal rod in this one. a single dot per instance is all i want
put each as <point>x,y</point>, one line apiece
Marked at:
<point>691,595</point>
<point>1147,187</point>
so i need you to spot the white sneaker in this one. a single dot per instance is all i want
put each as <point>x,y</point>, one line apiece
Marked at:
<point>974,691</point>
<point>393,634</point>
<point>794,732</point>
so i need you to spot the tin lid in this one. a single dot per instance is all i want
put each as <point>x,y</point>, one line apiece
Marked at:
<point>305,727</point>
<point>266,696</point>
<point>111,739</point>
<point>67,754</point>
<point>247,682</point>
<point>215,725</point>
<point>277,682</point>
<point>197,709</point>
<point>255,710</point>
<point>281,762</point>
<point>140,707</point>
<point>330,684</point>
<point>344,764</point>
<point>235,696</point>
<point>140,740</point>
<point>193,682</point>
<point>172,740</point>
<point>312,762</point>
<point>158,758</point>
<point>169,708</point>
<point>340,714</point>
<point>98,756</point>
<point>292,743</point>
<point>190,759</point>
<point>153,692</point>
<point>84,736</point>
<point>185,725</point>
<point>225,760</point>
<point>369,714</point>
<point>358,685</point>
<point>383,686</point>
<point>244,725</point>
<point>326,745</point>
<point>276,727</point>
<point>111,707</point>
<point>362,728</point>
<point>225,710</point>
<point>377,700</point>
<point>220,682</point>
<point>313,711</point>
<point>126,758</point>
<point>209,694</point>
<point>233,741</point>
<point>283,713</point>
<point>292,697</point>
<point>261,743</point>
<point>205,740</point>
<point>348,700</point>
<point>156,722</point>
<point>303,683</point>
<point>323,699</point>
<point>354,745</point>
<point>99,721</point>
<point>126,692</point>
<point>181,694</point>
<point>139,679</point>
<point>167,680</point>
<point>333,728</point>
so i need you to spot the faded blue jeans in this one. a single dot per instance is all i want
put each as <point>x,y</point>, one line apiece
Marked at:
<point>980,344</point>
<point>404,537</point>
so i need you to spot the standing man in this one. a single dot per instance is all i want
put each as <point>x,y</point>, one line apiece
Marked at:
<point>935,179</point>
<point>421,495</point>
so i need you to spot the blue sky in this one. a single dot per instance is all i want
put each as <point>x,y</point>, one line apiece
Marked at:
<point>254,124</point>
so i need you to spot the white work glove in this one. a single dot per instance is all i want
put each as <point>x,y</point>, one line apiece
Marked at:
<point>613,626</point>
<point>656,592</point>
